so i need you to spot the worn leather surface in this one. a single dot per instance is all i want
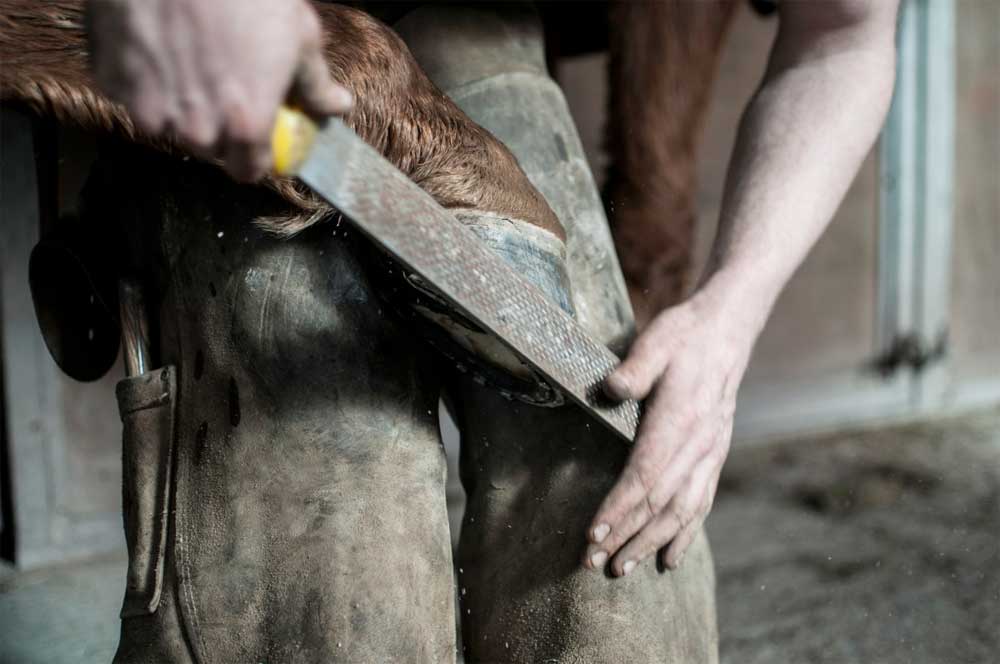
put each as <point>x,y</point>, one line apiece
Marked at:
<point>534,477</point>
<point>308,517</point>
<point>148,405</point>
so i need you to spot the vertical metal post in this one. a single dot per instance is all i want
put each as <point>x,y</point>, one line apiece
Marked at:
<point>935,195</point>
<point>917,167</point>
<point>897,171</point>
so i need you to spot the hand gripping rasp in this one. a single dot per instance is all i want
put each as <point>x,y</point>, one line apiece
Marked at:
<point>407,223</point>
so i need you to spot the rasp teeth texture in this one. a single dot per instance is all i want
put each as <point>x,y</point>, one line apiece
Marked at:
<point>409,224</point>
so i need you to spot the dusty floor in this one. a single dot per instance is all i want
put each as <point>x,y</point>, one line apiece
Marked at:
<point>66,615</point>
<point>877,547</point>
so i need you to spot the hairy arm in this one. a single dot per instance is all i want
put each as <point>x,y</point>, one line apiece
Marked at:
<point>801,141</point>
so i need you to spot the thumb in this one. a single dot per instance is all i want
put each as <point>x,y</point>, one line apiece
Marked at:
<point>642,367</point>
<point>315,91</point>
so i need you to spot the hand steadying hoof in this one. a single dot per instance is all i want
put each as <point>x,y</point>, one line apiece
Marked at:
<point>687,365</point>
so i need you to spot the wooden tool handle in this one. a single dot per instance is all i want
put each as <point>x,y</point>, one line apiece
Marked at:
<point>291,139</point>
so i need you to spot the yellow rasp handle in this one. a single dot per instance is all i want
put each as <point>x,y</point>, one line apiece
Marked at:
<point>291,139</point>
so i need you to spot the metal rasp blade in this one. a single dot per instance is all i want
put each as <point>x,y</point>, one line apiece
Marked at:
<point>410,225</point>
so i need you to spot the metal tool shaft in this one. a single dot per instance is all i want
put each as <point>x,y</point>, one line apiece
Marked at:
<point>135,327</point>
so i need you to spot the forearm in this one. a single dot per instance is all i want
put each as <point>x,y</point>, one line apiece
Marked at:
<point>801,141</point>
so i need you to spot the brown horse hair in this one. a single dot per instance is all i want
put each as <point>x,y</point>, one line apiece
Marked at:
<point>398,110</point>
<point>663,61</point>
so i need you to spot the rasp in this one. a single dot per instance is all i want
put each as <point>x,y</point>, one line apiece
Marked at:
<point>407,223</point>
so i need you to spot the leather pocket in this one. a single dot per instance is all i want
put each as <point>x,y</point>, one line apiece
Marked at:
<point>147,405</point>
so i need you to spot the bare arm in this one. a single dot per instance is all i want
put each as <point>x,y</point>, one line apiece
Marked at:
<point>801,141</point>
<point>800,144</point>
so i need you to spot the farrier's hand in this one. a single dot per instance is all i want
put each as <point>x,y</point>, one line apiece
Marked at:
<point>689,363</point>
<point>213,72</point>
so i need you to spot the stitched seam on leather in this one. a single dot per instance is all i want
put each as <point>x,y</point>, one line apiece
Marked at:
<point>153,403</point>
<point>188,591</point>
<point>199,651</point>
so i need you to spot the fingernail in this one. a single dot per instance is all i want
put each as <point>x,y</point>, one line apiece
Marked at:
<point>616,386</point>
<point>628,567</point>
<point>674,563</point>
<point>598,558</point>
<point>600,532</point>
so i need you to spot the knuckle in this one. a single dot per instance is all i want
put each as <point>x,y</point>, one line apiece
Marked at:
<point>656,501</point>
<point>620,534</point>
<point>684,515</point>
<point>705,447</point>
<point>650,508</point>
<point>659,499</point>
<point>641,549</point>
<point>614,543</point>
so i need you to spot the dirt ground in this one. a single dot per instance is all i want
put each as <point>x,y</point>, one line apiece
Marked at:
<point>876,548</point>
<point>879,547</point>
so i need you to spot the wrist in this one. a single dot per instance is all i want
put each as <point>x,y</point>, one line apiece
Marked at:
<point>738,302</point>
